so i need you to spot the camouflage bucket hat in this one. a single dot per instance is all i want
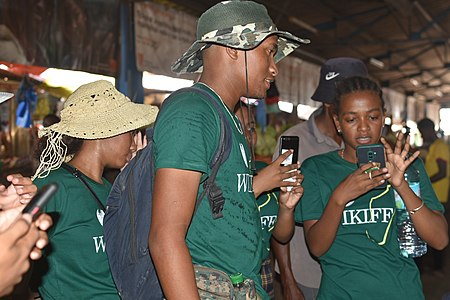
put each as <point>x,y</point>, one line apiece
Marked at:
<point>236,24</point>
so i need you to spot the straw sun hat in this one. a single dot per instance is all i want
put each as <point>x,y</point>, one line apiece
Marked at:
<point>97,110</point>
<point>94,111</point>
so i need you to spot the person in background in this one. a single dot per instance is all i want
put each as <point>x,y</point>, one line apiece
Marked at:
<point>437,158</point>
<point>273,175</point>
<point>236,51</point>
<point>20,238</point>
<point>95,132</point>
<point>5,145</point>
<point>300,272</point>
<point>50,119</point>
<point>349,225</point>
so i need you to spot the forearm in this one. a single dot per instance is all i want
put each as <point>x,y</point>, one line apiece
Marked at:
<point>430,225</point>
<point>284,228</point>
<point>283,257</point>
<point>321,235</point>
<point>432,228</point>
<point>174,267</point>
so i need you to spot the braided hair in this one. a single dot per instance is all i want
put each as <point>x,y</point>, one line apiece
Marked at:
<point>356,84</point>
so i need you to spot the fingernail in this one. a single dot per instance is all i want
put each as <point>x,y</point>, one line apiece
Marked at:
<point>34,255</point>
<point>41,243</point>
<point>44,225</point>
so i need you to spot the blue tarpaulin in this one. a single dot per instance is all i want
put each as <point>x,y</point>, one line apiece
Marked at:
<point>27,98</point>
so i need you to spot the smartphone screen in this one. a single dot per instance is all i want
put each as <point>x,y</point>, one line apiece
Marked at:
<point>372,153</point>
<point>287,143</point>
<point>37,203</point>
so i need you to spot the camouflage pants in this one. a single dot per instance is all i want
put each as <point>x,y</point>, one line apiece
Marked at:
<point>214,284</point>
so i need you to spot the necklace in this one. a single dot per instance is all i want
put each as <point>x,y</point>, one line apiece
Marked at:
<point>341,154</point>
<point>232,116</point>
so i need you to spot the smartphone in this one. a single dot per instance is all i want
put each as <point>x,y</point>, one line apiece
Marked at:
<point>372,153</point>
<point>288,142</point>
<point>37,203</point>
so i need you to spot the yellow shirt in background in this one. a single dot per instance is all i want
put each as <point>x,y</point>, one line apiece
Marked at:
<point>438,150</point>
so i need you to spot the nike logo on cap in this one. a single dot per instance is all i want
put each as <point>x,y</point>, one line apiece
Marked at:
<point>331,75</point>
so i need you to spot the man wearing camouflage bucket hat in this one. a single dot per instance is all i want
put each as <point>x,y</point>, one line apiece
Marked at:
<point>236,50</point>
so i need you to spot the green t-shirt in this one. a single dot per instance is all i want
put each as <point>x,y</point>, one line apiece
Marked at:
<point>268,209</point>
<point>356,266</point>
<point>77,262</point>
<point>186,136</point>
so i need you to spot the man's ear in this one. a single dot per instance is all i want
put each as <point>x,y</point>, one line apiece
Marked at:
<point>232,53</point>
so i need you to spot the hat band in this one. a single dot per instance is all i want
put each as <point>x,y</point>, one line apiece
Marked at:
<point>239,29</point>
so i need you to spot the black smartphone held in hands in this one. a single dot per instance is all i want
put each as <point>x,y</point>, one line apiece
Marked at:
<point>287,143</point>
<point>44,194</point>
<point>372,153</point>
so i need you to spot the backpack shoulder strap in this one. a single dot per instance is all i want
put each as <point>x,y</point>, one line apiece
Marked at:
<point>211,189</point>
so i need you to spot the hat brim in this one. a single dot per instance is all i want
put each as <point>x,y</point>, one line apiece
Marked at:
<point>324,94</point>
<point>191,61</point>
<point>4,96</point>
<point>128,117</point>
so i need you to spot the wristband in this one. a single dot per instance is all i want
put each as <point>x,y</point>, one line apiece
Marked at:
<point>413,211</point>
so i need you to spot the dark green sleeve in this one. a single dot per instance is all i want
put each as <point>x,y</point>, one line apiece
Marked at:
<point>311,204</point>
<point>186,134</point>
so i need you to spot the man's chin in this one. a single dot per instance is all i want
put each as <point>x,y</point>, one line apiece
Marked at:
<point>256,96</point>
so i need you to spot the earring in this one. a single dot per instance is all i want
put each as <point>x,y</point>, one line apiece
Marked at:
<point>339,131</point>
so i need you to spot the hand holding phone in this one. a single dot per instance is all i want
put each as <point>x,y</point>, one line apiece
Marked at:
<point>40,199</point>
<point>289,143</point>
<point>372,154</point>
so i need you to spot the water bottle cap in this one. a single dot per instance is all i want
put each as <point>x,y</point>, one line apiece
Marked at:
<point>236,278</point>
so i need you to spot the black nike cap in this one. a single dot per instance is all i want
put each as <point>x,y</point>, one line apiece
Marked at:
<point>334,70</point>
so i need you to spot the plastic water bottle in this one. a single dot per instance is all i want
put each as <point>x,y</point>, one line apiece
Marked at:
<point>411,245</point>
<point>237,280</point>
<point>244,289</point>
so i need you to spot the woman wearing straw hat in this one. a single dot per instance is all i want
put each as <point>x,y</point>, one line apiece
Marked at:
<point>95,132</point>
